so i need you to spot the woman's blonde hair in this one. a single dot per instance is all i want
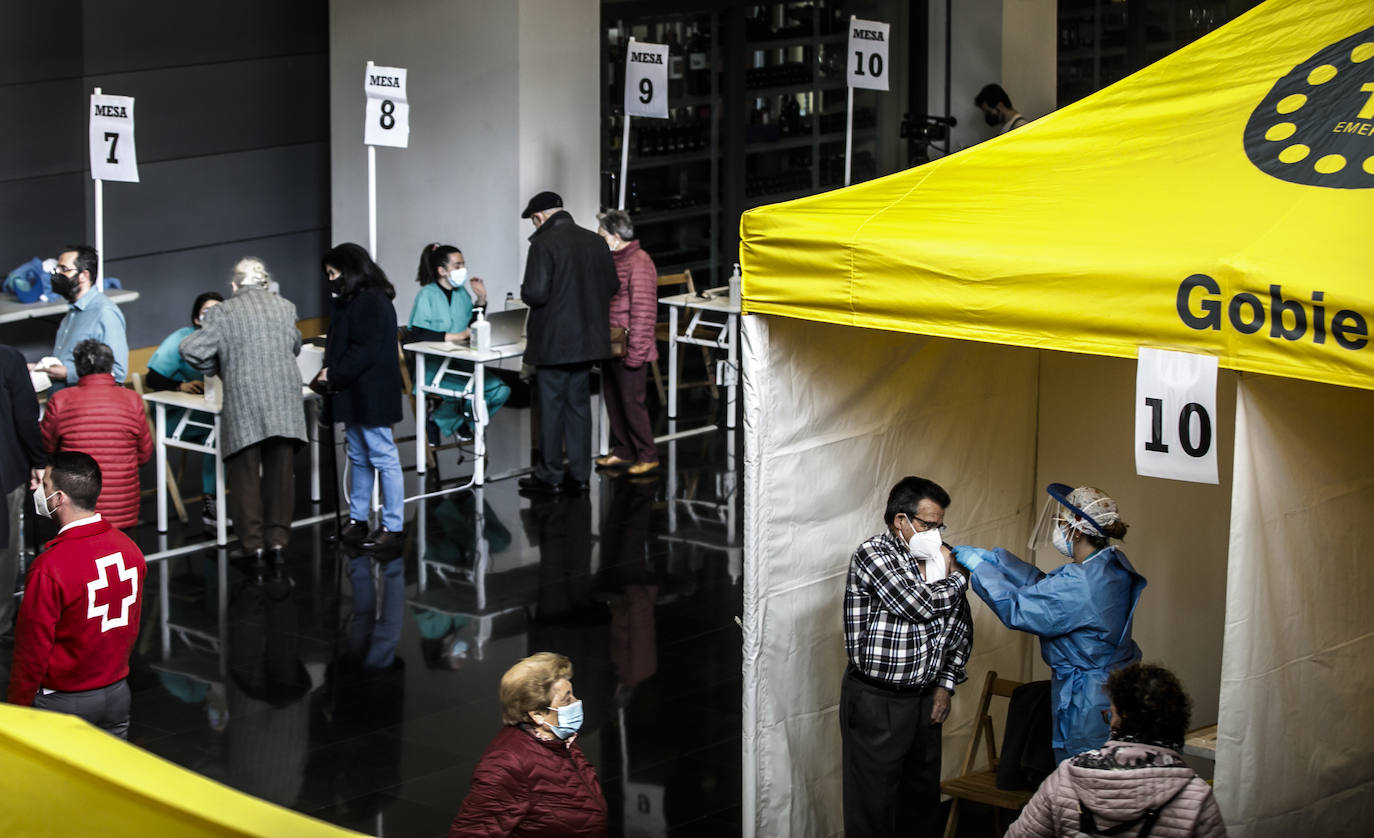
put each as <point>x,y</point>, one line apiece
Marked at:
<point>528,686</point>
<point>250,270</point>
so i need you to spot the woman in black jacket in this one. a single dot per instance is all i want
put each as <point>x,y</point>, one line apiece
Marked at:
<point>362,375</point>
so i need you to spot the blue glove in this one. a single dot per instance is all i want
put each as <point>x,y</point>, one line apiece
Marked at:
<point>971,557</point>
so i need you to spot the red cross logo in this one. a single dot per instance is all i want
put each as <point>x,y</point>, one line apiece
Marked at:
<point>101,608</point>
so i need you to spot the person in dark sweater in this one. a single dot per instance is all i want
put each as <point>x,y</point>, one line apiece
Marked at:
<point>21,467</point>
<point>362,375</point>
<point>569,281</point>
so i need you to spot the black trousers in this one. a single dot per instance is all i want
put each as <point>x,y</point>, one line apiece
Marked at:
<point>105,707</point>
<point>891,762</point>
<point>565,420</point>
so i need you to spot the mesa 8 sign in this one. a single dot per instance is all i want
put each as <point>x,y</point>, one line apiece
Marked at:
<point>387,121</point>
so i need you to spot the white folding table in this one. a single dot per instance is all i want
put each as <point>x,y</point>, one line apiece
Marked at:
<point>175,437</point>
<point>713,323</point>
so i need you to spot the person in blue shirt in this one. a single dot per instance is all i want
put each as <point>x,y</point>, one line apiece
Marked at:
<point>443,311</point>
<point>1081,611</point>
<point>92,316</point>
<point>167,370</point>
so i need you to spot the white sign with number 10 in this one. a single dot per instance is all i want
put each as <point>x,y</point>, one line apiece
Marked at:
<point>868,54</point>
<point>388,113</point>
<point>1176,416</point>
<point>112,139</point>
<point>646,80</point>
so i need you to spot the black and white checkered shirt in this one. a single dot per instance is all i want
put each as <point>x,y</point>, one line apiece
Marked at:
<point>897,628</point>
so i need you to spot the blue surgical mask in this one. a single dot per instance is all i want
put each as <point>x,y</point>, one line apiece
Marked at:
<point>569,720</point>
<point>1061,541</point>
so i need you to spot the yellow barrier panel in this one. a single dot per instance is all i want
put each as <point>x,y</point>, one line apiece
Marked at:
<point>61,776</point>
<point>1220,201</point>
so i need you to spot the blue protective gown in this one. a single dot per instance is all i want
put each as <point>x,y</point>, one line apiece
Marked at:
<point>432,310</point>
<point>1082,614</point>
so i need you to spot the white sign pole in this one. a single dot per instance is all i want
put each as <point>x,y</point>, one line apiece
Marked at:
<point>386,121</point>
<point>99,229</point>
<point>848,134</point>
<point>646,94</point>
<point>625,134</point>
<point>868,51</point>
<point>1176,415</point>
<point>113,157</point>
<point>371,192</point>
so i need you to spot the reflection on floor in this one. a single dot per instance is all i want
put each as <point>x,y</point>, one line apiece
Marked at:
<point>363,692</point>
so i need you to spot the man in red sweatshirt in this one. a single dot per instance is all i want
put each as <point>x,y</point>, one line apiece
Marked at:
<point>79,618</point>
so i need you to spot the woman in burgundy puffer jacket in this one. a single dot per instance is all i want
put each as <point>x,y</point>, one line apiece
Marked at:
<point>634,307</point>
<point>533,780</point>
<point>1137,784</point>
<point>107,421</point>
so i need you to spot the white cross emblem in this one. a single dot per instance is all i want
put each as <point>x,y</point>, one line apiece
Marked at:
<point>102,610</point>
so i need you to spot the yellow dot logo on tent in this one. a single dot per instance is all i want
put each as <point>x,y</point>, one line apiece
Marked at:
<point>1316,125</point>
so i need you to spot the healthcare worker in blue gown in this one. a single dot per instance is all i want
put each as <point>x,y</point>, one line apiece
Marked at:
<point>443,311</point>
<point>1081,611</point>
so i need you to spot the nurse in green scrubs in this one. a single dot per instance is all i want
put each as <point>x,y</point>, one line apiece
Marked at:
<point>443,311</point>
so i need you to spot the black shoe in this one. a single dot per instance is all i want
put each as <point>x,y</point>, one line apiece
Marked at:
<point>533,485</point>
<point>384,539</point>
<point>432,435</point>
<point>571,486</point>
<point>278,556</point>
<point>464,433</point>
<point>354,533</point>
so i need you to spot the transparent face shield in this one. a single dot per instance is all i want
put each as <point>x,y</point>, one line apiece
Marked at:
<point>1058,513</point>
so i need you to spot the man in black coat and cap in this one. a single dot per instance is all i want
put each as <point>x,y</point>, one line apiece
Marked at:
<point>569,282</point>
<point>21,468</point>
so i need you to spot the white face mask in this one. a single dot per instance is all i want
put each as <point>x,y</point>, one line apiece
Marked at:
<point>458,276</point>
<point>925,545</point>
<point>40,502</point>
<point>1061,541</point>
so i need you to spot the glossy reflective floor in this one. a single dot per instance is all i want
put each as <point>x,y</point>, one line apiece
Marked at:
<point>363,692</point>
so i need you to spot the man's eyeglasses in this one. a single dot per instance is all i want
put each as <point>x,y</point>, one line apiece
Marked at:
<point>1107,717</point>
<point>66,270</point>
<point>926,526</point>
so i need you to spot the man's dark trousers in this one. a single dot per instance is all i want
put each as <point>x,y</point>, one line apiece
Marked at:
<point>105,707</point>
<point>891,761</point>
<point>565,419</point>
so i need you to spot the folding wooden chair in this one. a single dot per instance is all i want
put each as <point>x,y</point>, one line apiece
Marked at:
<point>981,786</point>
<point>679,283</point>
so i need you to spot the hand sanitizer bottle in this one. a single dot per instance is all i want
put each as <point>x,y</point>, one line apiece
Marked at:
<point>481,333</point>
<point>734,288</point>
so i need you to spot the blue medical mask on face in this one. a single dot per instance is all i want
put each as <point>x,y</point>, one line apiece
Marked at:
<point>1061,541</point>
<point>569,720</point>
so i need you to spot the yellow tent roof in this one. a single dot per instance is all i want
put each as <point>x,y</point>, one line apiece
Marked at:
<point>1220,201</point>
<point>61,776</point>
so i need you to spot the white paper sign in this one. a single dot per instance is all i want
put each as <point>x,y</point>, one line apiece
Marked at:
<point>646,80</point>
<point>1176,416</point>
<point>868,54</point>
<point>112,139</point>
<point>388,113</point>
<point>644,815</point>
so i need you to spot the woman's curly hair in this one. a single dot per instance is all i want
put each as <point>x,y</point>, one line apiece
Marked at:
<point>1151,704</point>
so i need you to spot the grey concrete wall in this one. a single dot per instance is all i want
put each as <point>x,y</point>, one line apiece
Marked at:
<point>232,132</point>
<point>504,103</point>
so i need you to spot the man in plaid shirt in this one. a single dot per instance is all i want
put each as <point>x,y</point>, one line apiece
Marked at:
<point>908,631</point>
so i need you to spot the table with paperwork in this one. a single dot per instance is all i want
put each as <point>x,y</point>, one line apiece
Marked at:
<point>705,328</point>
<point>165,437</point>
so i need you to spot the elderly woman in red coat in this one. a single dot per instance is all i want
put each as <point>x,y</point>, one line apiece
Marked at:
<point>107,421</point>
<point>534,779</point>
<point>634,307</point>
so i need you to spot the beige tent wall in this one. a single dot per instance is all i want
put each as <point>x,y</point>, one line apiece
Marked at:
<point>1295,753</point>
<point>833,417</point>
<point>1179,533</point>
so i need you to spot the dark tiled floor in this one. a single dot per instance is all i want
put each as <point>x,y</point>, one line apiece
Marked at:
<point>363,693</point>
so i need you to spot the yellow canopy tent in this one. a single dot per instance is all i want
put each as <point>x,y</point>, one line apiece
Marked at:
<point>1219,202</point>
<point>61,776</point>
